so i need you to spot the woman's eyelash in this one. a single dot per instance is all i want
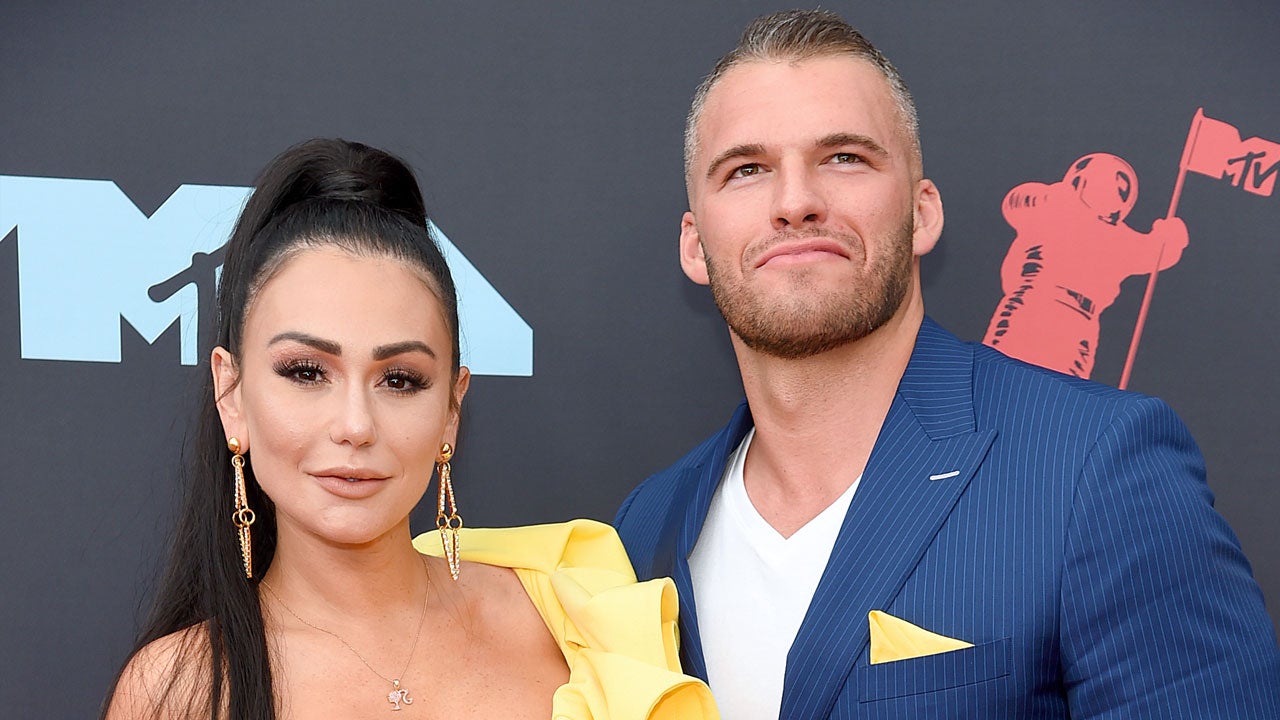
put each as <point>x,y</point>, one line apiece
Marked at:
<point>307,372</point>
<point>302,371</point>
<point>405,380</point>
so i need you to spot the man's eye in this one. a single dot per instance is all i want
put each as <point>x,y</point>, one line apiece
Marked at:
<point>745,171</point>
<point>845,158</point>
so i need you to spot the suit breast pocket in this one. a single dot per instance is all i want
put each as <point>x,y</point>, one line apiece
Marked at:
<point>931,673</point>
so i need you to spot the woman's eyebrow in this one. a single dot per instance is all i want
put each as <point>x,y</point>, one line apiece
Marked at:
<point>325,346</point>
<point>382,352</point>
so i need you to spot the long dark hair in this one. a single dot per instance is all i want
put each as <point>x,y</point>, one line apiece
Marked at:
<point>319,193</point>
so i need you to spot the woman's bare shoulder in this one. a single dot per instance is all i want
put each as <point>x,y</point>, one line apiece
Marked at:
<point>491,591</point>
<point>166,679</point>
<point>512,652</point>
<point>500,606</point>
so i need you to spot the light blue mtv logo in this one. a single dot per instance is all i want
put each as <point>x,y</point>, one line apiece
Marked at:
<point>88,257</point>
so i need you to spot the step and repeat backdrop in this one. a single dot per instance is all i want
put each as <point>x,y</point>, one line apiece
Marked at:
<point>547,138</point>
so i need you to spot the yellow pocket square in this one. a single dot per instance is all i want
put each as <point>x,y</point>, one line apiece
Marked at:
<point>895,639</point>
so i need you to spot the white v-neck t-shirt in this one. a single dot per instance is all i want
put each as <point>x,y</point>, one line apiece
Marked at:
<point>752,588</point>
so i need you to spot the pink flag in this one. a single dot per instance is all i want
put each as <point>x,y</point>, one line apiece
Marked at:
<point>1214,148</point>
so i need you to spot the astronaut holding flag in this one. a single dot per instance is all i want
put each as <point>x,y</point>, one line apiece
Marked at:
<point>1065,266</point>
<point>1072,249</point>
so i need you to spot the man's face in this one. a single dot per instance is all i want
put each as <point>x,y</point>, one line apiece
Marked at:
<point>806,213</point>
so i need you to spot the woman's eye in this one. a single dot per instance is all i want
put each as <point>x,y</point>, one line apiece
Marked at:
<point>303,373</point>
<point>404,381</point>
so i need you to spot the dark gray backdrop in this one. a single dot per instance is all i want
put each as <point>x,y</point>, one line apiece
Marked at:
<point>547,139</point>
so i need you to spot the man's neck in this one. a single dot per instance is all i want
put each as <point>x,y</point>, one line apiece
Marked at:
<point>817,419</point>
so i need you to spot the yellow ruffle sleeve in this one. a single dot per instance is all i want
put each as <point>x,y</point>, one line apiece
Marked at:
<point>617,635</point>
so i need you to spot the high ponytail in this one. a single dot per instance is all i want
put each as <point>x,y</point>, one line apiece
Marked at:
<point>329,192</point>
<point>318,193</point>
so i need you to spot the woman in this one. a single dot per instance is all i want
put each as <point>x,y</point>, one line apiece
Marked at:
<point>294,588</point>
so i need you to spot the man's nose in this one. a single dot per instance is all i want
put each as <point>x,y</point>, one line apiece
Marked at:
<point>798,198</point>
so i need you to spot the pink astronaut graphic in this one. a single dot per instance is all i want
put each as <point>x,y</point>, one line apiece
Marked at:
<point>1071,252</point>
<point>1073,247</point>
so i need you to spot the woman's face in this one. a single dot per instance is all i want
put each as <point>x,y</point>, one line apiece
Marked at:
<point>344,390</point>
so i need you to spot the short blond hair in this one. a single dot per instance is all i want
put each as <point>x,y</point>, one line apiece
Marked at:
<point>796,35</point>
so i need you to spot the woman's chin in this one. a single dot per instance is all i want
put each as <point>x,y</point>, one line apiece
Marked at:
<point>356,530</point>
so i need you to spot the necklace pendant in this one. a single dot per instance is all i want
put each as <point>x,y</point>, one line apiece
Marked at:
<point>398,695</point>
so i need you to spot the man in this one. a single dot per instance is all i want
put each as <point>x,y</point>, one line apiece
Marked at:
<point>895,523</point>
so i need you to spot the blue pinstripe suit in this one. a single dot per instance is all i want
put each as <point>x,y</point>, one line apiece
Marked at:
<point>1077,549</point>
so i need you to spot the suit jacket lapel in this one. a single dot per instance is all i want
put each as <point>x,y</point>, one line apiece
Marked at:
<point>924,457</point>
<point>683,524</point>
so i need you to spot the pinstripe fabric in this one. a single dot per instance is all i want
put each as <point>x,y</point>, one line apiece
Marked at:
<point>1077,549</point>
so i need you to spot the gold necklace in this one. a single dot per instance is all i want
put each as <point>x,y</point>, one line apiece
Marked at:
<point>398,695</point>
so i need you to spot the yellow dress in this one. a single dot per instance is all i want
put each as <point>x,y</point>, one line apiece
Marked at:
<point>617,635</point>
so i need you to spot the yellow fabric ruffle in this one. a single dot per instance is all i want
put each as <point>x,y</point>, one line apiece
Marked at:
<point>618,636</point>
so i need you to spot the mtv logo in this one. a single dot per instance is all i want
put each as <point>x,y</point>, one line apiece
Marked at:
<point>88,257</point>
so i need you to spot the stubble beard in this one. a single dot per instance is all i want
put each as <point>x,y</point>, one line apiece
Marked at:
<point>812,319</point>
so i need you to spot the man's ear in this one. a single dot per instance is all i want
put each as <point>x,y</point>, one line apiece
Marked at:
<point>460,388</point>
<point>928,218</point>
<point>226,393</point>
<point>692,258</point>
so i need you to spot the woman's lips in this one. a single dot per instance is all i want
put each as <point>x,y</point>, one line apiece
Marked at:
<point>352,488</point>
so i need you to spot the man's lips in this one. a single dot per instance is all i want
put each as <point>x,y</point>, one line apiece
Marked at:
<point>801,251</point>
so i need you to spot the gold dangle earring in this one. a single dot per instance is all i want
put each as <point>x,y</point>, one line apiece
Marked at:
<point>243,517</point>
<point>450,524</point>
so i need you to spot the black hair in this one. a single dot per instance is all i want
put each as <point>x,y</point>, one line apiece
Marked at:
<point>319,193</point>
